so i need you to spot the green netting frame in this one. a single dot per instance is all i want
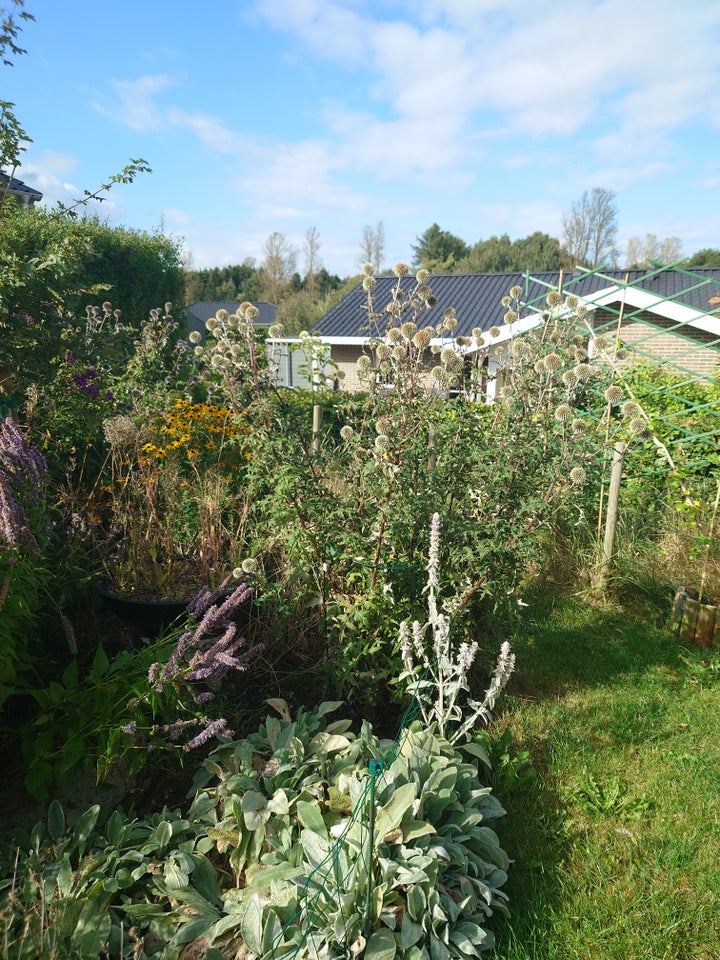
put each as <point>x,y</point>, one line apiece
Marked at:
<point>689,446</point>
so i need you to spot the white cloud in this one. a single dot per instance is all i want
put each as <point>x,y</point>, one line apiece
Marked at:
<point>133,102</point>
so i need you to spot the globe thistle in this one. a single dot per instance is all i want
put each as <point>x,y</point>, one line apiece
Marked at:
<point>509,316</point>
<point>578,476</point>
<point>516,292</point>
<point>494,331</point>
<point>613,394</point>
<point>383,351</point>
<point>477,332</point>
<point>622,354</point>
<point>251,313</point>
<point>346,433</point>
<point>367,270</point>
<point>437,373</point>
<point>564,413</point>
<point>249,565</point>
<point>601,343</point>
<point>479,340</point>
<point>570,379</point>
<point>408,330</point>
<point>539,366</point>
<point>401,270</point>
<point>394,336</point>
<point>339,374</point>
<point>464,341</point>
<point>637,426</point>
<point>382,442</point>
<point>631,409</point>
<point>385,366</point>
<point>552,362</point>
<point>363,365</point>
<point>422,276</point>
<point>450,323</point>
<point>198,351</point>
<point>276,330</point>
<point>553,299</point>
<point>571,301</point>
<point>506,301</point>
<point>222,315</point>
<point>435,348</point>
<point>447,355</point>
<point>422,338</point>
<point>211,324</point>
<point>583,371</point>
<point>399,353</point>
<point>450,313</point>
<point>368,283</point>
<point>579,425</point>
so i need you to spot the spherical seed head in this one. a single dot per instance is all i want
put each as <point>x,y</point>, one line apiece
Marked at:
<point>477,332</point>
<point>195,336</point>
<point>251,313</point>
<point>211,324</point>
<point>276,330</point>
<point>198,351</point>
<point>622,354</point>
<point>422,275</point>
<point>579,425</point>
<point>437,373</point>
<point>509,316</point>
<point>368,283</point>
<point>571,302</point>
<point>424,292</point>
<point>630,409</point>
<point>408,330</point>
<point>401,270</point>
<point>449,314</point>
<point>364,363</point>
<point>637,426</point>
<point>506,301</point>
<point>578,476</point>
<point>564,413</point>
<point>494,331</point>
<point>479,340</point>
<point>383,351</point>
<point>553,361</point>
<point>613,394</point>
<point>346,433</point>
<point>451,323</point>
<point>553,299</point>
<point>367,270</point>
<point>221,315</point>
<point>382,442</point>
<point>583,371</point>
<point>570,379</point>
<point>447,355</point>
<point>435,348</point>
<point>516,292</point>
<point>249,565</point>
<point>422,338</point>
<point>399,353</point>
<point>394,335</point>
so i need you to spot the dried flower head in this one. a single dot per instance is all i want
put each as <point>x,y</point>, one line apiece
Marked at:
<point>368,283</point>
<point>422,275</point>
<point>578,476</point>
<point>516,292</point>
<point>553,299</point>
<point>570,379</point>
<point>120,432</point>
<point>494,331</point>
<point>506,301</point>
<point>401,270</point>
<point>394,335</point>
<point>383,351</point>
<point>583,371</point>
<point>579,425</point>
<point>509,316</point>
<point>276,330</point>
<point>346,433</point>
<point>367,270</point>
<point>194,336</point>
<point>422,338</point>
<point>637,426</point>
<point>613,394</point>
<point>408,330</point>
<point>553,361</point>
<point>630,409</point>
<point>437,373</point>
<point>564,413</point>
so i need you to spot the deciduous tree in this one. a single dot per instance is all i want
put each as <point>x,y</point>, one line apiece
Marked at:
<point>590,228</point>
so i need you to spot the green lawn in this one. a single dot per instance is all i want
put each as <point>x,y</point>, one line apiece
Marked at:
<point>617,841</point>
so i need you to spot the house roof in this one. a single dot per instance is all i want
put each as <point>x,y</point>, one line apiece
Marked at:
<point>477,297</point>
<point>19,188</point>
<point>199,313</point>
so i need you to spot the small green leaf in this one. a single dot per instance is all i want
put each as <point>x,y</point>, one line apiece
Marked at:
<point>86,824</point>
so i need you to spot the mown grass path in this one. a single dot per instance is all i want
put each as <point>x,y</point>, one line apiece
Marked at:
<point>617,841</point>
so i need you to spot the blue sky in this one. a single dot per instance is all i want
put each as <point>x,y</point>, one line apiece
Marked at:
<point>484,116</point>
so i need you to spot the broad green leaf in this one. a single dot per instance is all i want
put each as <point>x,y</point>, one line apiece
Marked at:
<point>328,742</point>
<point>311,818</point>
<point>86,824</point>
<point>281,706</point>
<point>56,820</point>
<point>162,835</point>
<point>255,810</point>
<point>252,925</point>
<point>381,945</point>
<point>100,663</point>
<point>390,816</point>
